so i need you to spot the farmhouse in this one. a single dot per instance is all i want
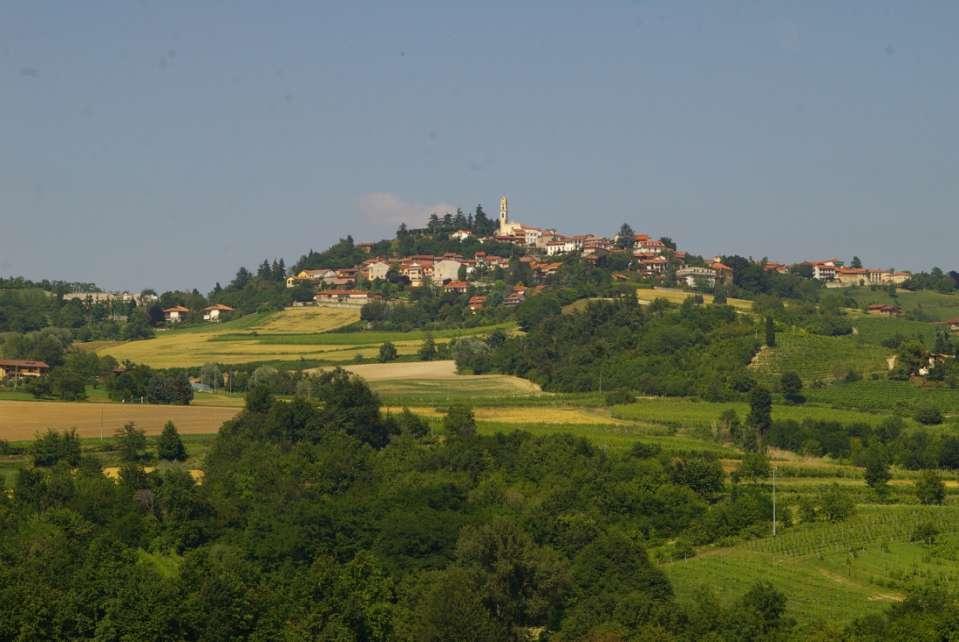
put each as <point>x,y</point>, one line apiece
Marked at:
<point>347,297</point>
<point>175,314</point>
<point>376,269</point>
<point>456,286</point>
<point>825,270</point>
<point>884,309</point>
<point>17,368</point>
<point>212,313</point>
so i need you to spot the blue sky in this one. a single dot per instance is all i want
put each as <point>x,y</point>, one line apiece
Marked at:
<point>163,144</point>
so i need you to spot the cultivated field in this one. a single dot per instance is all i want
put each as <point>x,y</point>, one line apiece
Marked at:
<point>21,420</point>
<point>932,305</point>
<point>674,295</point>
<point>289,336</point>
<point>818,358</point>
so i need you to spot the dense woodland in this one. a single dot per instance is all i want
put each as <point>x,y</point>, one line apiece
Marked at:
<point>334,521</point>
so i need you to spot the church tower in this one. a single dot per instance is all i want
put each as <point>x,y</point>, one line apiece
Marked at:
<point>504,226</point>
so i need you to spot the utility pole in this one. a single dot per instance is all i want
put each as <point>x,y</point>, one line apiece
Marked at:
<point>774,501</point>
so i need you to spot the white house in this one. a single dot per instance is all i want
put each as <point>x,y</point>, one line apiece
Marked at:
<point>697,276</point>
<point>175,314</point>
<point>212,313</point>
<point>377,269</point>
<point>461,235</point>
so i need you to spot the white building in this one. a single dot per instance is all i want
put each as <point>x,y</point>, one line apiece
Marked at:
<point>446,270</point>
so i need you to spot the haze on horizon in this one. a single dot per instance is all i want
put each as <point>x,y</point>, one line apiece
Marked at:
<point>165,144</point>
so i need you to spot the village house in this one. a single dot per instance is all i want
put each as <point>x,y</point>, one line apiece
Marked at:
<point>643,245</point>
<point>377,269</point>
<point>310,276</point>
<point>477,303</point>
<point>19,368</point>
<point>697,277</point>
<point>345,297</point>
<point>461,235</point>
<point>653,265</point>
<point>953,324</point>
<point>212,313</point>
<point>851,277</point>
<point>884,309</point>
<point>779,268</point>
<point>724,273</point>
<point>825,270</point>
<point>176,314</point>
<point>460,287</point>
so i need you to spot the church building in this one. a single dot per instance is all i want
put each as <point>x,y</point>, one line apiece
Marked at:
<point>506,228</point>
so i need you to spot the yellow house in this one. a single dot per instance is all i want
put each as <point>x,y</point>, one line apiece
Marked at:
<point>17,368</point>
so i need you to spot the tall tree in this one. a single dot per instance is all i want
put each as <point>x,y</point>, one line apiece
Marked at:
<point>169,446</point>
<point>770,332</point>
<point>624,239</point>
<point>760,414</point>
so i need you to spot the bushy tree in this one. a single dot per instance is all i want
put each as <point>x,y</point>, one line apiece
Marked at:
<point>929,488</point>
<point>877,474</point>
<point>791,385</point>
<point>131,442</point>
<point>387,352</point>
<point>54,447</point>
<point>427,351</point>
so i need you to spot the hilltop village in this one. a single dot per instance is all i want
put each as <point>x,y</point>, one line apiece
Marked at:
<point>489,251</point>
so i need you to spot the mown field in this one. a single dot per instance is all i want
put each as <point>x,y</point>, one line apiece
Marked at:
<point>288,336</point>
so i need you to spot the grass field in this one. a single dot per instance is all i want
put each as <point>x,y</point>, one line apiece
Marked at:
<point>816,357</point>
<point>934,305</point>
<point>877,329</point>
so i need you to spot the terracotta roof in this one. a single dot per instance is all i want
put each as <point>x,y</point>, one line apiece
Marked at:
<point>22,363</point>
<point>220,307</point>
<point>329,293</point>
<point>176,308</point>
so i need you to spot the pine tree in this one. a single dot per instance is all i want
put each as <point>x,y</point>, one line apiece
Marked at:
<point>169,445</point>
<point>770,332</point>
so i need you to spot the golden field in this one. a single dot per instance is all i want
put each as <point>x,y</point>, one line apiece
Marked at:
<point>21,420</point>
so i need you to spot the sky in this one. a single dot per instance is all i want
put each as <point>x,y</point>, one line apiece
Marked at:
<point>163,144</point>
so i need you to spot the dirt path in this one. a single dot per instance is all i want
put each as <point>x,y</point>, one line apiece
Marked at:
<point>21,420</point>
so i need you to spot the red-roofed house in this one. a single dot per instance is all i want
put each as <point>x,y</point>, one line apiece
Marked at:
<point>17,368</point>
<point>213,312</point>
<point>175,314</point>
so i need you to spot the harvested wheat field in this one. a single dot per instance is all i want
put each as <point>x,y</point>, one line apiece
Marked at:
<point>21,420</point>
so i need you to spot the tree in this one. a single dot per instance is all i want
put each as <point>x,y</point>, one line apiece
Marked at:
<point>427,350</point>
<point>929,488</point>
<point>760,414</point>
<point>459,422</point>
<point>259,398</point>
<point>131,442</point>
<point>702,474</point>
<point>624,239</point>
<point>791,385</point>
<point>53,447</point>
<point>877,473</point>
<point>836,504</point>
<point>169,446</point>
<point>856,262</point>
<point>770,332</point>
<point>211,375</point>
<point>387,352</point>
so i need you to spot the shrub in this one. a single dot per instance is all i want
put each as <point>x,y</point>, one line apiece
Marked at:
<point>929,488</point>
<point>619,397</point>
<point>928,414</point>
<point>169,445</point>
<point>836,505</point>
<point>925,533</point>
<point>387,352</point>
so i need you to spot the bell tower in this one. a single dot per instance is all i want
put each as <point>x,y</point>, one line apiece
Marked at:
<point>504,227</point>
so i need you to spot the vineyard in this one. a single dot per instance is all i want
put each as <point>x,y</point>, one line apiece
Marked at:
<point>832,572</point>
<point>819,358</point>
<point>875,330</point>
<point>926,304</point>
<point>886,396</point>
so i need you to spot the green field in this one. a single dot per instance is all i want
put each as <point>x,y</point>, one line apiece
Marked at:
<point>875,330</point>
<point>819,358</point>
<point>684,412</point>
<point>933,305</point>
